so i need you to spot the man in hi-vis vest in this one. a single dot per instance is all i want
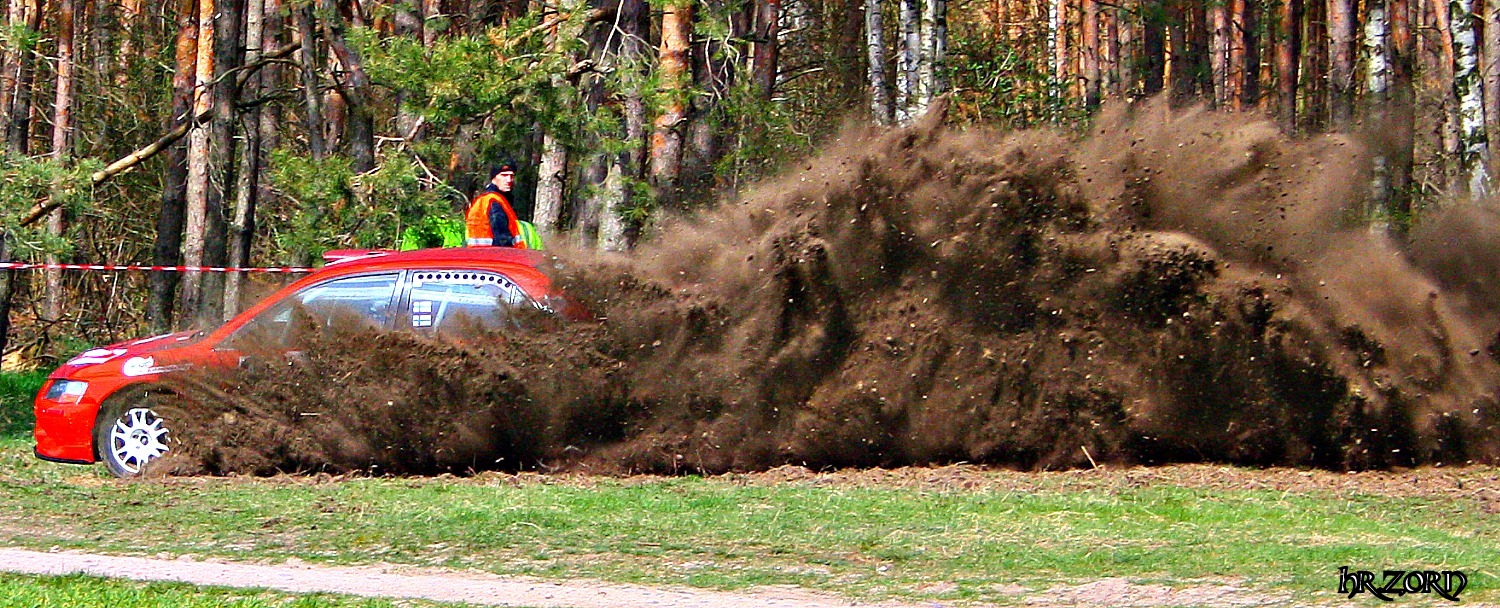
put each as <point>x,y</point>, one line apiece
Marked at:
<point>491,220</point>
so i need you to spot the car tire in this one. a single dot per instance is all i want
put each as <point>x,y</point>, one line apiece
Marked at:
<point>133,430</point>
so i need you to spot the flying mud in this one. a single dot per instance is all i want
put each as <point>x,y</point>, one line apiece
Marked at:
<point>1175,286</point>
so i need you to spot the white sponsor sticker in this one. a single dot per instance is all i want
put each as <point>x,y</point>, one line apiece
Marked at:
<point>138,366</point>
<point>98,355</point>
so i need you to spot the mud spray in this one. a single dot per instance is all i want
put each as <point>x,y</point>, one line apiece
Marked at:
<point>1176,286</point>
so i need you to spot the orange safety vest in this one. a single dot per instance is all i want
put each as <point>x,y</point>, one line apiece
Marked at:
<point>477,220</point>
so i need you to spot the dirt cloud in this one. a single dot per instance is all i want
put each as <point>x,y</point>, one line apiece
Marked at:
<point>1173,286</point>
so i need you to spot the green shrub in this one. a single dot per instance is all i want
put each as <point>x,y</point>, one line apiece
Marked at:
<point>17,389</point>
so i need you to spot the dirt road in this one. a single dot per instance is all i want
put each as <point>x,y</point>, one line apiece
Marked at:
<point>489,590</point>
<point>394,582</point>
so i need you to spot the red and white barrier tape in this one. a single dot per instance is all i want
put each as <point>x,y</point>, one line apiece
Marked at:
<point>26,266</point>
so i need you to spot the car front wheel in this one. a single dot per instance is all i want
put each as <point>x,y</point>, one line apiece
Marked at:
<point>132,432</point>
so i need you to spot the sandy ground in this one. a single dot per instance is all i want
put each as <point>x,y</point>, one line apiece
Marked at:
<point>400,582</point>
<point>490,590</point>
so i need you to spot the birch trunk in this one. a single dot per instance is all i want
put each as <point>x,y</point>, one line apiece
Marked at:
<point>1060,72</point>
<point>549,186</point>
<point>880,98</point>
<point>1491,59</point>
<point>1218,58</point>
<point>169,220</point>
<point>62,139</point>
<point>909,14</point>
<point>1468,89</point>
<point>923,95</point>
<point>1377,86</point>
<point>1288,46</point>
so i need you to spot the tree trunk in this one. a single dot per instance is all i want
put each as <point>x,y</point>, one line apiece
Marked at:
<point>1341,66</point>
<point>909,14</point>
<point>1179,32</point>
<point>1449,160</point>
<point>1491,60</point>
<point>62,139</point>
<point>15,15</point>
<point>355,89</point>
<point>1249,82</point>
<point>1377,86</point>
<point>1153,48</point>
<point>1125,55</point>
<point>1060,72</point>
<point>432,10</point>
<point>1402,120</point>
<point>766,58</point>
<point>7,292</point>
<point>1109,62</point>
<point>130,17</point>
<point>169,221</point>
<point>242,227</point>
<point>228,55</point>
<point>551,176</point>
<point>880,99</point>
<point>18,130</point>
<point>1218,58</point>
<point>1468,89</point>
<point>666,141</point>
<point>1288,46</point>
<point>198,161</point>
<point>1088,48</point>
<point>409,23</point>
<point>1313,78</point>
<point>312,100</point>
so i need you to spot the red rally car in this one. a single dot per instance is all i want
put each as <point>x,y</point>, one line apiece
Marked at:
<point>98,406</point>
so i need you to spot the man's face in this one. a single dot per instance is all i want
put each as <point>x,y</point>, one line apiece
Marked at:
<point>504,180</point>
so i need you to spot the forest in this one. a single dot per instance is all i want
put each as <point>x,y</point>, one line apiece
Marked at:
<point>246,133</point>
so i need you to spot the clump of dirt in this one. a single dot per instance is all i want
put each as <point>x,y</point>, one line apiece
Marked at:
<point>1175,286</point>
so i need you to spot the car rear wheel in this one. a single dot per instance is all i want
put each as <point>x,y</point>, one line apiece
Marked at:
<point>133,430</point>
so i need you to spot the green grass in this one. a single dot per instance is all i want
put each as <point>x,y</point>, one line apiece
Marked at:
<point>865,542</point>
<point>25,591</point>
<point>17,389</point>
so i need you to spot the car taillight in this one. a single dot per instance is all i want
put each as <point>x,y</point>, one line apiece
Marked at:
<point>66,391</point>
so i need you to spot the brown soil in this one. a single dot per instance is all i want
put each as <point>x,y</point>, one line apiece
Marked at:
<point>1177,286</point>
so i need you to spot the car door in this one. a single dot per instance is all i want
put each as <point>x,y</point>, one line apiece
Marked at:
<point>367,298</point>
<point>454,302</point>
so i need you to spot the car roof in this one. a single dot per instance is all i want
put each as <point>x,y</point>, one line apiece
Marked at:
<point>384,258</point>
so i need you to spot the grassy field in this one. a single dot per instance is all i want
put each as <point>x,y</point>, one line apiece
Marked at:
<point>16,392</point>
<point>20,591</point>
<point>945,534</point>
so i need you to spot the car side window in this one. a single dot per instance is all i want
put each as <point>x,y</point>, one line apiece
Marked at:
<point>366,297</point>
<point>447,301</point>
